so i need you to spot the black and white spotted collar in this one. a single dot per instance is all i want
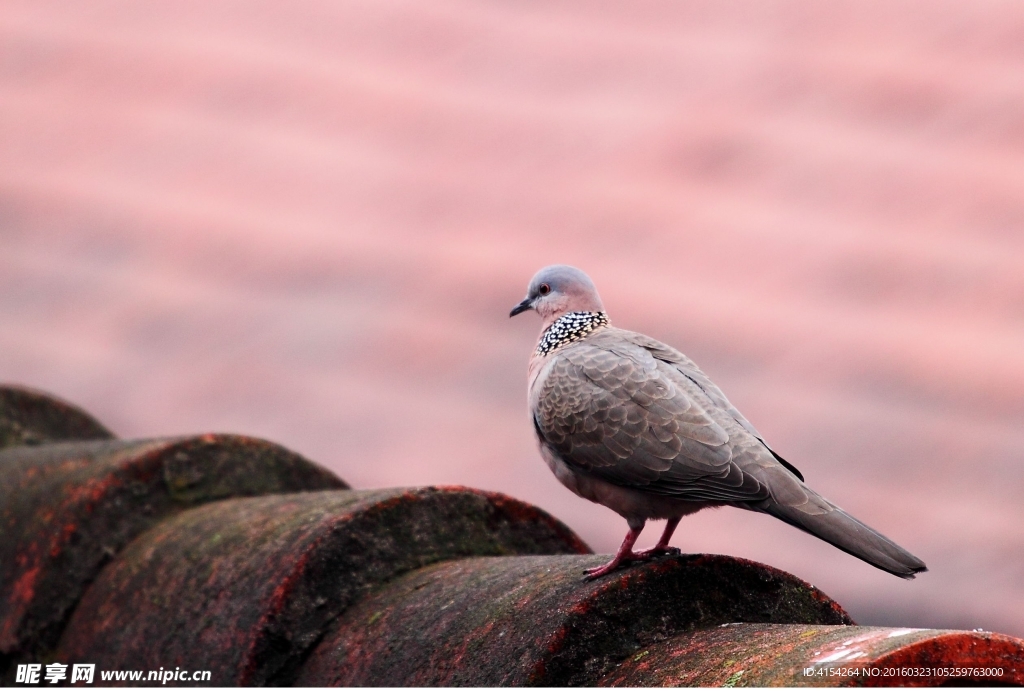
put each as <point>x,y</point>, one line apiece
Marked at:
<point>570,327</point>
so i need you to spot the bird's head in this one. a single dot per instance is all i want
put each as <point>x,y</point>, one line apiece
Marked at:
<point>559,289</point>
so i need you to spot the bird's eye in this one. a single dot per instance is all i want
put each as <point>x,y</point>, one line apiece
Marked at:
<point>544,289</point>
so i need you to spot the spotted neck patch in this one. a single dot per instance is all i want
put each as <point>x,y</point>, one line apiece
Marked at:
<point>570,327</point>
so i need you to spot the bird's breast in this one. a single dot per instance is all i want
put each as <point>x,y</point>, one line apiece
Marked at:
<point>537,373</point>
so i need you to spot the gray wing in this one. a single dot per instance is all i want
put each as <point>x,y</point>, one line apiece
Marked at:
<point>614,411</point>
<point>687,368</point>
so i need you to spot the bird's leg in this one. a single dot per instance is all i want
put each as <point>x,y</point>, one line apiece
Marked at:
<point>662,548</point>
<point>625,553</point>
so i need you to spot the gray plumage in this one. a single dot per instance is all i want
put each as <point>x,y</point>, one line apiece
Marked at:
<point>633,424</point>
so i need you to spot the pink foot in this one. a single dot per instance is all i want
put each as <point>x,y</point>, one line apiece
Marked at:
<point>616,562</point>
<point>625,559</point>
<point>658,551</point>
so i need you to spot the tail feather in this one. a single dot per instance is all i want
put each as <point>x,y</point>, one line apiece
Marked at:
<point>849,535</point>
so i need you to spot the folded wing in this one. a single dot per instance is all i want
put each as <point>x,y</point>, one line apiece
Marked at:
<point>618,413</point>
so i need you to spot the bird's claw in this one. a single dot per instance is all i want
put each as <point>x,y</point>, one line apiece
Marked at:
<point>609,567</point>
<point>598,572</point>
<point>658,552</point>
<point>626,560</point>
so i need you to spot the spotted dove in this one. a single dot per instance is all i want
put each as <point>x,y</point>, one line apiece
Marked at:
<point>631,423</point>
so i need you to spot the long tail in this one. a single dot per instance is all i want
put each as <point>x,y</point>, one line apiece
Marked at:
<point>831,524</point>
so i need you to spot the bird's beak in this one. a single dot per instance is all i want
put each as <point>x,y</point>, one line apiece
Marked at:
<point>522,307</point>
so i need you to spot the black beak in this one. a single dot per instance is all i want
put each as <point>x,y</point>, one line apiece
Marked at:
<point>522,307</point>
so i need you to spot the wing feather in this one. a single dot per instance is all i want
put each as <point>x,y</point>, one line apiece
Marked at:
<point>622,415</point>
<point>689,369</point>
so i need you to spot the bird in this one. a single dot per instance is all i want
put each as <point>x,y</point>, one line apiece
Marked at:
<point>631,423</point>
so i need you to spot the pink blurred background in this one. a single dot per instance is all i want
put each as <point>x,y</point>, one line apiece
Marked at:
<point>308,221</point>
